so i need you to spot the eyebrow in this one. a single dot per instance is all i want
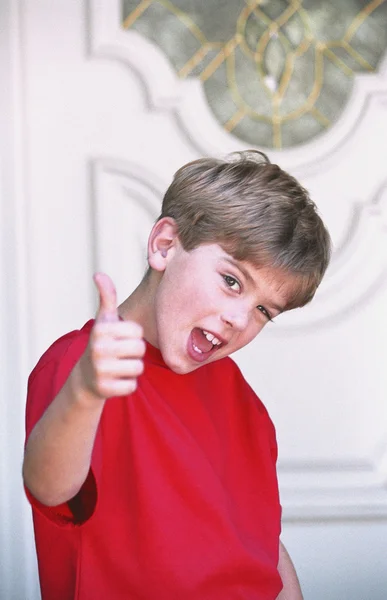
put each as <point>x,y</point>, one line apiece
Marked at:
<point>244,271</point>
<point>234,263</point>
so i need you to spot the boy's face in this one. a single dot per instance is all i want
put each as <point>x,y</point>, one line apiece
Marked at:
<point>207,305</point>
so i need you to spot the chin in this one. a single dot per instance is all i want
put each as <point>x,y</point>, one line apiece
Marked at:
<point>179,366</point>
<point>180,369</point>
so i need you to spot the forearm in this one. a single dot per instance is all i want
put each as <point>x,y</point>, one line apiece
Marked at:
<point>59,449</point>
<point>291,589</point>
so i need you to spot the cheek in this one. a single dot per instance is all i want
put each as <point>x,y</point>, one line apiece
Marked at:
<point>176,303</point>
<point>187,294</point>
<point>253,329</point>
<point>194,294</point>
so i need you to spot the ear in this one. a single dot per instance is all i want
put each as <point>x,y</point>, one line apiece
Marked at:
<point>162,243</point>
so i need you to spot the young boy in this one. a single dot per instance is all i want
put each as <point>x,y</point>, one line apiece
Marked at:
<point>150,462</point>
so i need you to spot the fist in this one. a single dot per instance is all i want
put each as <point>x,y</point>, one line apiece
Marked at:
<point>113,358</point>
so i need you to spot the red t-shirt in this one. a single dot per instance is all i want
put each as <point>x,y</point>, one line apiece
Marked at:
<point>181,501</point>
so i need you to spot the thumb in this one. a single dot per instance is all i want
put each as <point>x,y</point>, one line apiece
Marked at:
<point>107,310</point>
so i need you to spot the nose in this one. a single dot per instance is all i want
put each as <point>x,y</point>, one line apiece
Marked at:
<point>236,318</point>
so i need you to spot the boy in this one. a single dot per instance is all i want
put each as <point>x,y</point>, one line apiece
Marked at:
<point>150,462</point>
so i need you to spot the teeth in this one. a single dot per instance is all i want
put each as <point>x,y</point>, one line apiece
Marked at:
<point>211,338</point>
<point>197,349</point>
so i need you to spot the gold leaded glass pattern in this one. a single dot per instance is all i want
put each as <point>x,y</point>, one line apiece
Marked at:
<point>276,73</point>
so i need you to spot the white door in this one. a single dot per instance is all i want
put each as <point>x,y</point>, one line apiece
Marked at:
<point>95,122</point>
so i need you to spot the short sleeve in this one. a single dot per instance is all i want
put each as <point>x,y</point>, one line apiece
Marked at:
<point>50,374</point>
<point>44,383</point>
<point>273,441</point>
<point>269,427</point>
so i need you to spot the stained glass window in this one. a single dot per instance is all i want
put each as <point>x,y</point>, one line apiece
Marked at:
<point>275,73</point>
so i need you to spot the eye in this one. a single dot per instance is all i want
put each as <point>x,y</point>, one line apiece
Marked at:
<point>232,283</point>
<point>265,312</point>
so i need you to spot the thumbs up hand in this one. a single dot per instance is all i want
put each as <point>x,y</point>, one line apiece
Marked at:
<point>107,310</point>
<point>113,358</point>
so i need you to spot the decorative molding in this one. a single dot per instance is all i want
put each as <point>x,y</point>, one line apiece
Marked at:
<point>124,194</point>
<point>18,574</point>
<point>363,250</point>
<point>381,463</point>
<point>333,489</point>
<point>267,69</point>
<point>187,100</point>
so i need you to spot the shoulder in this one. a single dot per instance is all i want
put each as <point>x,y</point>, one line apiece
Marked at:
<point>229,372</point>
<point>52,370</point>
<point>240,397</point>
<point>225,367</point>
<point>70,345</point>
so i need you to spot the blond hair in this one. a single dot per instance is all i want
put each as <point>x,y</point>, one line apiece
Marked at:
<point>256,211</point>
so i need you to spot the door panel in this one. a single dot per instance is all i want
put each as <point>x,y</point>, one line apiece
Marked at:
<point>104,124</point>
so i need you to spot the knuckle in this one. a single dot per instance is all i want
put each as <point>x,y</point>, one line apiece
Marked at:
<point>136,367</point>
<point>132,386</point>
<point>96,350</point>
<point>98,329</point>
<point>135,329</point>
<point>141,347</point>
<point>103,389</point>
<point>100,367</point>
<point>135,349</point>
<point>140,367</point>
<point>104,378</point>
<point>140,331</point>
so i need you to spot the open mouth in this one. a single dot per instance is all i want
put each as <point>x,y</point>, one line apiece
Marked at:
<point>202,344</point>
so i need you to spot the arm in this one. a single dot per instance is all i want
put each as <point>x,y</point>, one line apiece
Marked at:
<point>291,589</point>
<point>59,449</point>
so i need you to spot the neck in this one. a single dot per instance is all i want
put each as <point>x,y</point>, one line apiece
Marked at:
<point>139,306</point>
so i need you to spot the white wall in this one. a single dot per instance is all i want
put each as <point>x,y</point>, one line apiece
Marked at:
<point>340,560</point>
<point>17,562</point>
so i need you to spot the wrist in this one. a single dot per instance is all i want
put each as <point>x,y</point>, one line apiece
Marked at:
<point>81,394</point>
